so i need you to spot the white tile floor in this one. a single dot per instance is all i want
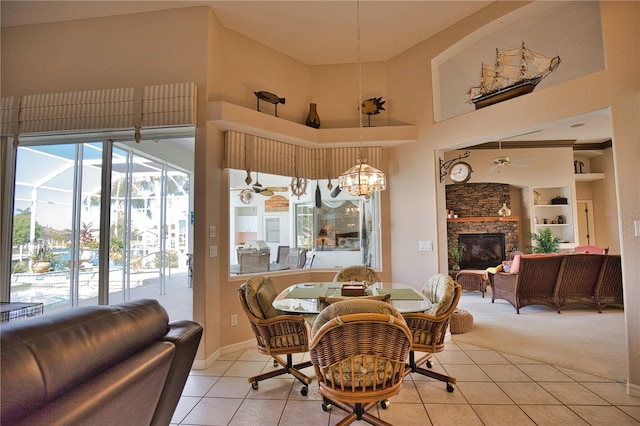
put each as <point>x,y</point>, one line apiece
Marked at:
<point>493,389</point>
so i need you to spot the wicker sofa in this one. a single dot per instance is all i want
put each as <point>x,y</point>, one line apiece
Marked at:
<point>557,280</point>
<point>122,364</point>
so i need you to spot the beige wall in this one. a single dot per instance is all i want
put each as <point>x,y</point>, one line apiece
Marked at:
<point>190,45</point>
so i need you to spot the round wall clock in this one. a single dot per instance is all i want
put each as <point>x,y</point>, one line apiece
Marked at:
<point>460,172</point>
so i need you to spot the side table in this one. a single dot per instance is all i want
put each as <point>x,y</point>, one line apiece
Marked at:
<point>473,280</point>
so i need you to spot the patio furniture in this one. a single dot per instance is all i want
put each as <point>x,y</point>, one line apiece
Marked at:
<point>473,280</point>
<point>356,273</point>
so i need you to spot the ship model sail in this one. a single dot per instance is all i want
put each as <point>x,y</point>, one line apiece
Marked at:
<point>516,72</point>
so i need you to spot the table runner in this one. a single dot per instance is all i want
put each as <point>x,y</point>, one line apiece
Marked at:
<point>400,293</point>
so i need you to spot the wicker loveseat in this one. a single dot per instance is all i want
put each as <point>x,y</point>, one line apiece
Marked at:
<point>558,280</point>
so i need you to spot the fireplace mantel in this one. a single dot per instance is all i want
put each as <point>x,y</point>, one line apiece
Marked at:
<point>485,219</point>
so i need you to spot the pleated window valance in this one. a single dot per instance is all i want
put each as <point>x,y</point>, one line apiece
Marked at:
<point>257,154</point>
<point>165,105</point>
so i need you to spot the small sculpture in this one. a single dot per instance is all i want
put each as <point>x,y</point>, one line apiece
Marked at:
<point>372,106</point>
<point>269,97</point>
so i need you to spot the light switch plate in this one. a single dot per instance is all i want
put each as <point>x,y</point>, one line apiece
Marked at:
<point>637,224</point>
<point>425,245</point>
<point>212,231</point>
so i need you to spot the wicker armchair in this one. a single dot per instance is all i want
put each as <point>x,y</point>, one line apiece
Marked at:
<point>429,329</point>
<point>356,273</point>
<point>578,278</point>
<point>609,288</point>
<point>359,356</point>
<point>276,333</point>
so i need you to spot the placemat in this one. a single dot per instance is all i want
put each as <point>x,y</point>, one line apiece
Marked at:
<point>309,293</point>
<point>400,293</point>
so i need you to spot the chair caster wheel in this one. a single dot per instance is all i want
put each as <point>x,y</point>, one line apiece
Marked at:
<point>326,407</point>
<point>385,403</point>
<point>304,391</point>
<point>254,385</point>
<point>275,363</point>
<point>450,387</point>
<point>429,364</point>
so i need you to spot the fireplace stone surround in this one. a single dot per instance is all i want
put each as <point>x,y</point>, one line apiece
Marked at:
<point>476,205</point>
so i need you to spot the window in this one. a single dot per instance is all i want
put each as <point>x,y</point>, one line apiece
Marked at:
<point>343,230</point>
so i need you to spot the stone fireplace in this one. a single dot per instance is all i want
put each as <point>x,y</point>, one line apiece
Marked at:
<point>477,205</point>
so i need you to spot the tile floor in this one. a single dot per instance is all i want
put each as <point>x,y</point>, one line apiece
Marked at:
<point>493,389</point>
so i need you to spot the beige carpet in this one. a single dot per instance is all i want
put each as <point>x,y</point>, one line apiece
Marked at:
<point>579,338</point>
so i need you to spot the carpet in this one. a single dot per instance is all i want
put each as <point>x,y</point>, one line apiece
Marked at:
<point>579,338</point>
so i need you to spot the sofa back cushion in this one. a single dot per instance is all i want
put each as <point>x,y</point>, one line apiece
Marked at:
<point>46,356</point>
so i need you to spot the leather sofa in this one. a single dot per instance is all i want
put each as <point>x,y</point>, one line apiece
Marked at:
<point>122,364</point>
<point>558,280</point>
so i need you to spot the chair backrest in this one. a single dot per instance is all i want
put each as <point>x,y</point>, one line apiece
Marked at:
<point>336,306</point>
<point>256,296</point>
<point>360,357</point>
<point>591,249</point>
<point>283,252</point>
<point>296,258</point>
<point>356,273</point>
<point>308,262</point>
<point>440,290</point>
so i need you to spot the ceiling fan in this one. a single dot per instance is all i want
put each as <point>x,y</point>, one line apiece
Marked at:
<point>257,188</point>
<point>503,161</point>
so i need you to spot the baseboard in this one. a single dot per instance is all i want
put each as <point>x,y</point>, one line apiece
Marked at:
<point>206,363</point>
<point>633,390</point>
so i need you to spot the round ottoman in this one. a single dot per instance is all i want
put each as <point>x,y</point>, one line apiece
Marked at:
<point>461,321</point>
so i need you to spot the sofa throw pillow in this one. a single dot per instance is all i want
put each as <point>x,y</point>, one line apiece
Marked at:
<point>251,288</point>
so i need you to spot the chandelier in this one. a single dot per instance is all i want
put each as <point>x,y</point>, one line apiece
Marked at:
<point>361,179</point>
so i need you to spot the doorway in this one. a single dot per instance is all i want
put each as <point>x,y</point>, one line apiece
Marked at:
<point>586,227</point>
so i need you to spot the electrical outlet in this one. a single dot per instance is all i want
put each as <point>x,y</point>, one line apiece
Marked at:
<point>234,320</point>
<point>213,251</point>
<point>637,224</point>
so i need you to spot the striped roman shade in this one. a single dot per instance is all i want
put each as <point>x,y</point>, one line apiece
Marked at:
<point>164,105</point>
<point>258,154</point>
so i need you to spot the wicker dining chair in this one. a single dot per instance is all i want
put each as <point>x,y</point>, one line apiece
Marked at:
<point>359,351</point>
<point>356,273</point>
<point>276,333</point>
<point>429,328</point>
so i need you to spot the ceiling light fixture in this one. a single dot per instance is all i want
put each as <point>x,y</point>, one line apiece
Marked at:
<point>361,179</point>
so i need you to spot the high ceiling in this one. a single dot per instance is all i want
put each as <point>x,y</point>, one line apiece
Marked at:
<point>314,32</point>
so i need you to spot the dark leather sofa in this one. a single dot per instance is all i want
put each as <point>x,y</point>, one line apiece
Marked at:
<point>122,364</point>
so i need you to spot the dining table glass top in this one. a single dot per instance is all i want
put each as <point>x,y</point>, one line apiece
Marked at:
<point>303,298</point>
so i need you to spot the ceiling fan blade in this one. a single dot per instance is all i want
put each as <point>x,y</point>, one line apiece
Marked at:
<point>520,160</point>
<point>266,193</point>
<point>494,167</point>
<point>277,188</point>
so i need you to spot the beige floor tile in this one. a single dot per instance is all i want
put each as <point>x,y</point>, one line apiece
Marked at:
<point>247,368</point>
<point>453,357</point>
<point>483,393</point>
<point>304,413</point>
<point>469,347</point>
<point>604,415</point>
<point>230,387</point>
<point>572,393</point>
<point>434,392</point>
<point>263,412</point>
<point>198,385</point>
<point>467,372</point>
<point>405,414</point>
<point>518,360</point>
<point>632,411</point>
<point>218,368</point>
<point>185,405</point>
<point>253,355</point>
<point>505,373</point>
<point>312,392</point>
<point>502,415</point>
<point>579,376</point>
<point>487,357</point>
<point>274,388</point>
<point>552,415</point>
<point>408,394</point>
<point>213,412</point>
<point>231,356</point>
<point>528,393</point>
<point>452,415</point>
<point>614,393</point>
<point>544,373</point>
<point>437,368</point>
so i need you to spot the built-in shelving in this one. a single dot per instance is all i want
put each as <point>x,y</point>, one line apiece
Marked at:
<point>587,177</point>
<point>228,116</point>
<point>545,210</point>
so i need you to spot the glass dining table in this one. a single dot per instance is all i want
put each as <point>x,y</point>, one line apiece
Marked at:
<point>303,298</point>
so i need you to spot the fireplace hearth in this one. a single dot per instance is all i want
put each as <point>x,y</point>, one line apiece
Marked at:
<point>483,250</point>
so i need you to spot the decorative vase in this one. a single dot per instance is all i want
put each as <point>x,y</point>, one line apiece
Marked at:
<point>313,120</point>
<point>504,210</point>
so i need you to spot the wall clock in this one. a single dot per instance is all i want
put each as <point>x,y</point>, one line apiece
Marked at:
<point>460,172</point>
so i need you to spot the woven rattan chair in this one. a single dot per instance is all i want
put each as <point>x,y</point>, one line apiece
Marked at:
<point>429,329</point>
<point>359,356</point>
<point>578,279</point>
<point>356,273</point>
<point>276,333</point>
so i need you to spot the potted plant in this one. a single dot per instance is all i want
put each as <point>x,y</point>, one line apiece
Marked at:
<point>456,253</point>
<point>545,241</point>
<point>42,259</point>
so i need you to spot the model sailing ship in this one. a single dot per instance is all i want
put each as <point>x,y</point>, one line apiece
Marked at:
<point>516,72</point>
